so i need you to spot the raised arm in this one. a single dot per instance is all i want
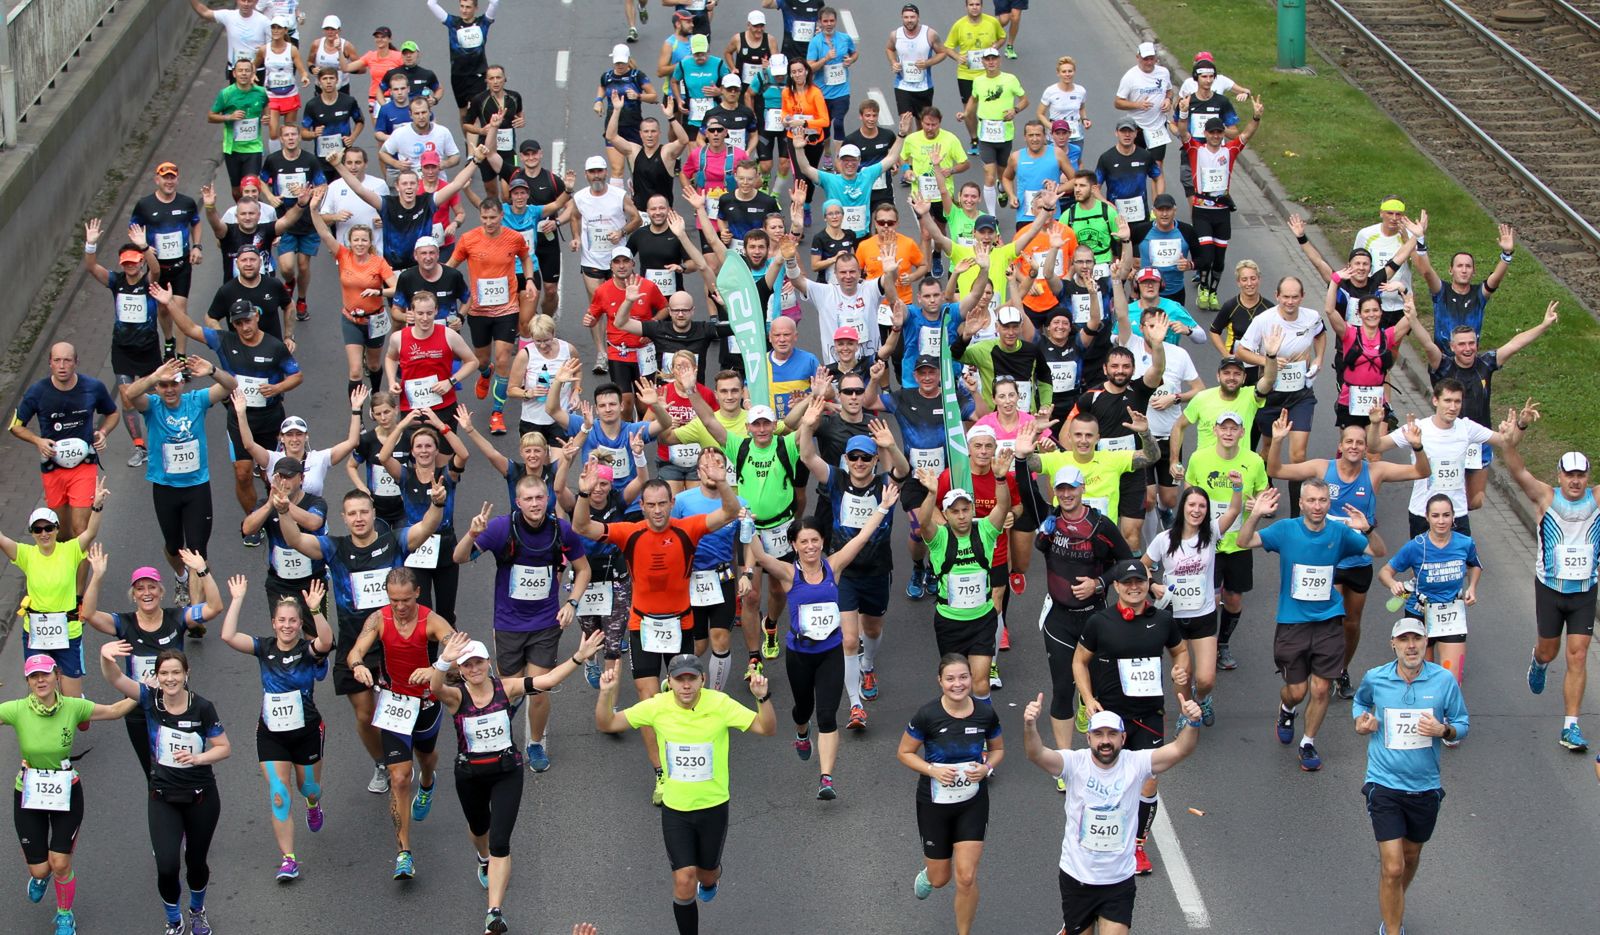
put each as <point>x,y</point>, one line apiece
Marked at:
<point>238,586</point>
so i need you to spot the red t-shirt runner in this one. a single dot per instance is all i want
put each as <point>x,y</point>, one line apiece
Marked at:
<point>403,655</point>
<point>620,345</point>
<point>423,363</point>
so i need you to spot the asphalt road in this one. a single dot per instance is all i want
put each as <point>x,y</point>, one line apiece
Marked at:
<point>1277,850</point>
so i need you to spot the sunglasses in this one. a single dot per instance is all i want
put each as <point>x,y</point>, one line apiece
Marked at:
<point>716,129</point>
<point>43,528</point>
<point>858,456</point>
<point>852,391</point>
<point>885,222</point>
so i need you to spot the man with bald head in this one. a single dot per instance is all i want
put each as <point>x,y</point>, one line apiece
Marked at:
<point>68,440</point>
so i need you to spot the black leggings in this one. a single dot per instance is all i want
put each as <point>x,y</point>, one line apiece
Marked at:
<point>437,586</point>
<point>139,735</point>
<point>1062,627</point>
<point>1212,229</point>
<point>183,830</point>
<point>490,803</point>
<point>42,832</point>
<point>818,683</point>
<point>184,515</point>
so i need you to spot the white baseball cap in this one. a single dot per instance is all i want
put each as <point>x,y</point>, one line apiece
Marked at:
<point>756,18</point>
<point>1228,415</point>
<point>1009,315</point>
<point>595,162</point>
<point>332,22</point>
<point>778,64</point>
<point>46,514</point>
<point>849,151</point>
<point>1068,476</point>
<point>1408,625</point>
<point>621,253</point>
<point>282,22</point>
<point>990,52</point>
<point>425,241</point>
<point>757,413</point>
<point>956,495</point>
<point>1575,462</point>
<point>981,431</point>
<point>731,80</point>
<point>1104,718</point>
<point>1147,49</point>
<point>620,53</point>
<point>474,650</point>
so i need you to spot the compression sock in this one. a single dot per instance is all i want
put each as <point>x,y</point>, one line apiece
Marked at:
<point>174,916</point>
<point>1230,622</point>
<point>852,678</point>
<point>197,899</point>
<point>375,380</point>
<point>687,915</point>
<point>869,652</point>
<point>350,386</point>
<point>986,699</point>
<point>991,199</point>
<point>720,664</point>
<point>484,371</point>
<point>66,890</point>
<point>497,391</point>
<point>1147,814</point>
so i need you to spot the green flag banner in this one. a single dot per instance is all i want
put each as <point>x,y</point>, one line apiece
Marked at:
<point>748,320</point>
<point>955,437</point>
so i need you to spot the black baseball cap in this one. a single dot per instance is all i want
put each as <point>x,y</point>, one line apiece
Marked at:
<point>1164,200</point>
<point>986,222</point>
<point>529,146</point>
<point>1130,570</point>
<point>926,360</point>
<point>241,309</point>
<point>1229,361</point>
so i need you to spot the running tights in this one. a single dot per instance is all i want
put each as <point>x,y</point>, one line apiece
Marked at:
<point>182,831</point>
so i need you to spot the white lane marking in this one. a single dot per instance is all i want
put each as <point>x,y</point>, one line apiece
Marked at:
<point>876,94</point>
<point>563,62</point>
<point>1176,867</point>
<point>558,153</point>
<point>849,25</point>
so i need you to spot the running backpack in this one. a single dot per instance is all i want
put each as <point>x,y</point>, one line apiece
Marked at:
<point>743,455</point>
<point>974,540</point>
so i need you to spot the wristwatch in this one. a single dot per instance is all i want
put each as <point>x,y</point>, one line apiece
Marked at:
<point>573,603</point>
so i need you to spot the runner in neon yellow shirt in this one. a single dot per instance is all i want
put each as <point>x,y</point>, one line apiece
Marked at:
<point>50,569</point>
<point>967,39</point>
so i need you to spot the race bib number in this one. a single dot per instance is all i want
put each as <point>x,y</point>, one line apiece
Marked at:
<point>834,73</point>
<point>132,308</point>
<point>170,743</point>
<point>529,582</point>
<point>801,30</point>
<point>1188,593</point>
<point>290,182</point>
<point>856,511</point>
<point>1164,254</point>
<point>1131,209</point>
<point>698,108</point>
<point>596,600</point>
<point>1311,582</point>
<point>967,589</point>
<point>992,131</point>
<point>911,76</point>
<point>505,140</point>
<point>47,631</point>
<point>495,290</point>
<point>748,72</point>
<point>962,789</point>
<point>1213,180</point>
<point>1122,443</point>
<point>425,555</point>
<point>704,589</point>
<point>855,218</point>
<point>690,762</point>
<point>1025,395</point>
<point>738,138</point>
<point>1219,507</point>
<point>684,456</point>
<point>1141,678</point>
<point>143,667</point>
<point>384,483</point>
<point>1446,619</point>
<point>773,120</point>
<point>247,130</point>
<point>1364,398</point>
<point>1574,562</point>
<point>47,790</point>
<point>928,341</point>
<point>660,635</point>
<point>928,188</point>
<point>775,540</point>
<point>181,457</point>
<point>250,388</point>
<point>1063,375</point>
<point>1156,136</point>
<point>1197,124</point>
<point>1104,830</point>
<point>598,234</point>
<point>420,394</point>
<point>469,37</point>
<point>818,621</point>
<point>288,563</point>
<point>1291,377</point>
<point>283,711</point>
<point>1400,728</point>
<point>932,458</point>
<point>886,316</point>
<point>975,59</point>
<point>1448,474</point>
<point>378,325</point>
<point>396,714</point>
<point>647,360</point>
<point>329,145</point>
<point>1101,271</point>
<point>169,245</point>
<point>367,589</point>
<point>487,733</point>
<point>1474,457</point>
<point>665,279</point>
<point>1100,505</point>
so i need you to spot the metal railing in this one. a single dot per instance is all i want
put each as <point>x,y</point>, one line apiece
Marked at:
<point>37,40</point>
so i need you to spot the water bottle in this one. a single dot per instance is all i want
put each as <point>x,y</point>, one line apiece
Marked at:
<point>747,529</point>
<point>1395,603</point>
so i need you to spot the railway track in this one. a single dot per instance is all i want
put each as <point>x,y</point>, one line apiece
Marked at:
<point>1500,122</point>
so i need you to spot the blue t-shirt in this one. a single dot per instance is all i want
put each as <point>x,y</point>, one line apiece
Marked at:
<point>1168,241</point>
<point>67,413</point>
<point>1032,172</point>
<point>811,608</point>
<point>1175,313</point>
<point>177,440</point>
<point>1361,494</point>
<point>1383,689</point>
<point>916,323</point>
<point>391,115</point>
<point>1441,572</point>
<point>298,669</point>
<point>1452,310</point>
<point>1306,561</point>
<point>921,419</point>
<point>699,82</point>
<point>467,41</point>
<point>843,45</point>
<point>390,550</point>
<point>852,193</point>
<point>614,447</point>
<point>528,220</point>
<point>714,548</point>
<point>791,379</point>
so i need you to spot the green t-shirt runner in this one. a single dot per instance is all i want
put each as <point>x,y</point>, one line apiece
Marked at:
<point>1208,470</point>
<point>1206,405</point>
<point>1095,227</point>
<point>996,96</point>
<point>693,743</point>
<point>763,482</point>
<point>241,136</point>
<point>968,578</point>
<point>44,736</point>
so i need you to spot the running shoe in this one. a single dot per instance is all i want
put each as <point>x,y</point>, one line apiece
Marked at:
<point>497,423</point>
<point>421,804</point>
<point>591,671</point>
<point>495,923</point>
<point>827,163</point>
<point>36,888</point>
<point>404,867</point>
<point>1208,717</point>
<point>175,928</point>
<point>769,638</point>
<point>198,923</point>
<point>1081,720</point>
<point>1011,51</point>
<point>481,389</point>
<point>379,784</point>
<point>705,893</point>
<point>1572,739</point>
<point>1341,687</point>
<point>1180,726</point>
<point>1225,660</point>
<point>66,923</point>
<point>289,869</point>
<point>802,747</point>
<point>755,667</point>
<point>938,266</point>
<point>139,456</point>
<point>252,540</point>
<point>1004,199</point>
<point>538,759</point>
<point>180,591</point>
<point>1142,866</point>
<point>660,790</point>
<point>301,313</point>
<point>1285,725</point>
<point>994,676</point>
<point>869,685</point>
<point>313,818</point>
<point>1536,673</point>
<point>858,718</point>
<point>644,12</point>
<point>825,790</point>
<point>1061,785</point>
<point>1018,581</point>
<point>972,150</point>
<point>626,643</point>
<point>1452,744</point>
<point>1005,635</point>
<point>633,34</point>
<point>1310,761</point>
<point>600,368</point>
<point>921,887</point>
<point>914,589</point>
<point>483,872</point>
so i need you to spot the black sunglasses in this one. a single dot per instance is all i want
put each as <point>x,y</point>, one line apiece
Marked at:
<point>852,391</point>
<point>858,456</point>
<point>44,528</point>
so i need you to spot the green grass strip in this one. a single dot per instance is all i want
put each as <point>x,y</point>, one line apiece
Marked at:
<point>1337,154</point>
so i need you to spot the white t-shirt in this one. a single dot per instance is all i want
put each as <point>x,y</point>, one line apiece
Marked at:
<point>406,143</point>
<point>599,214</point>
<point>1138,85</point>
<point>1449,458</point>
<point>1107,799</point>
<point>1177,375</point>
<point>1299,336</point>
<point>245,34</point>
<point>1065,105</point>
<point>317,464</point>
<point>341,198</point>
<point>1383,247</point>
<point>1222,85</point>
<point>834,309</point>
<point>1190,563</point>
